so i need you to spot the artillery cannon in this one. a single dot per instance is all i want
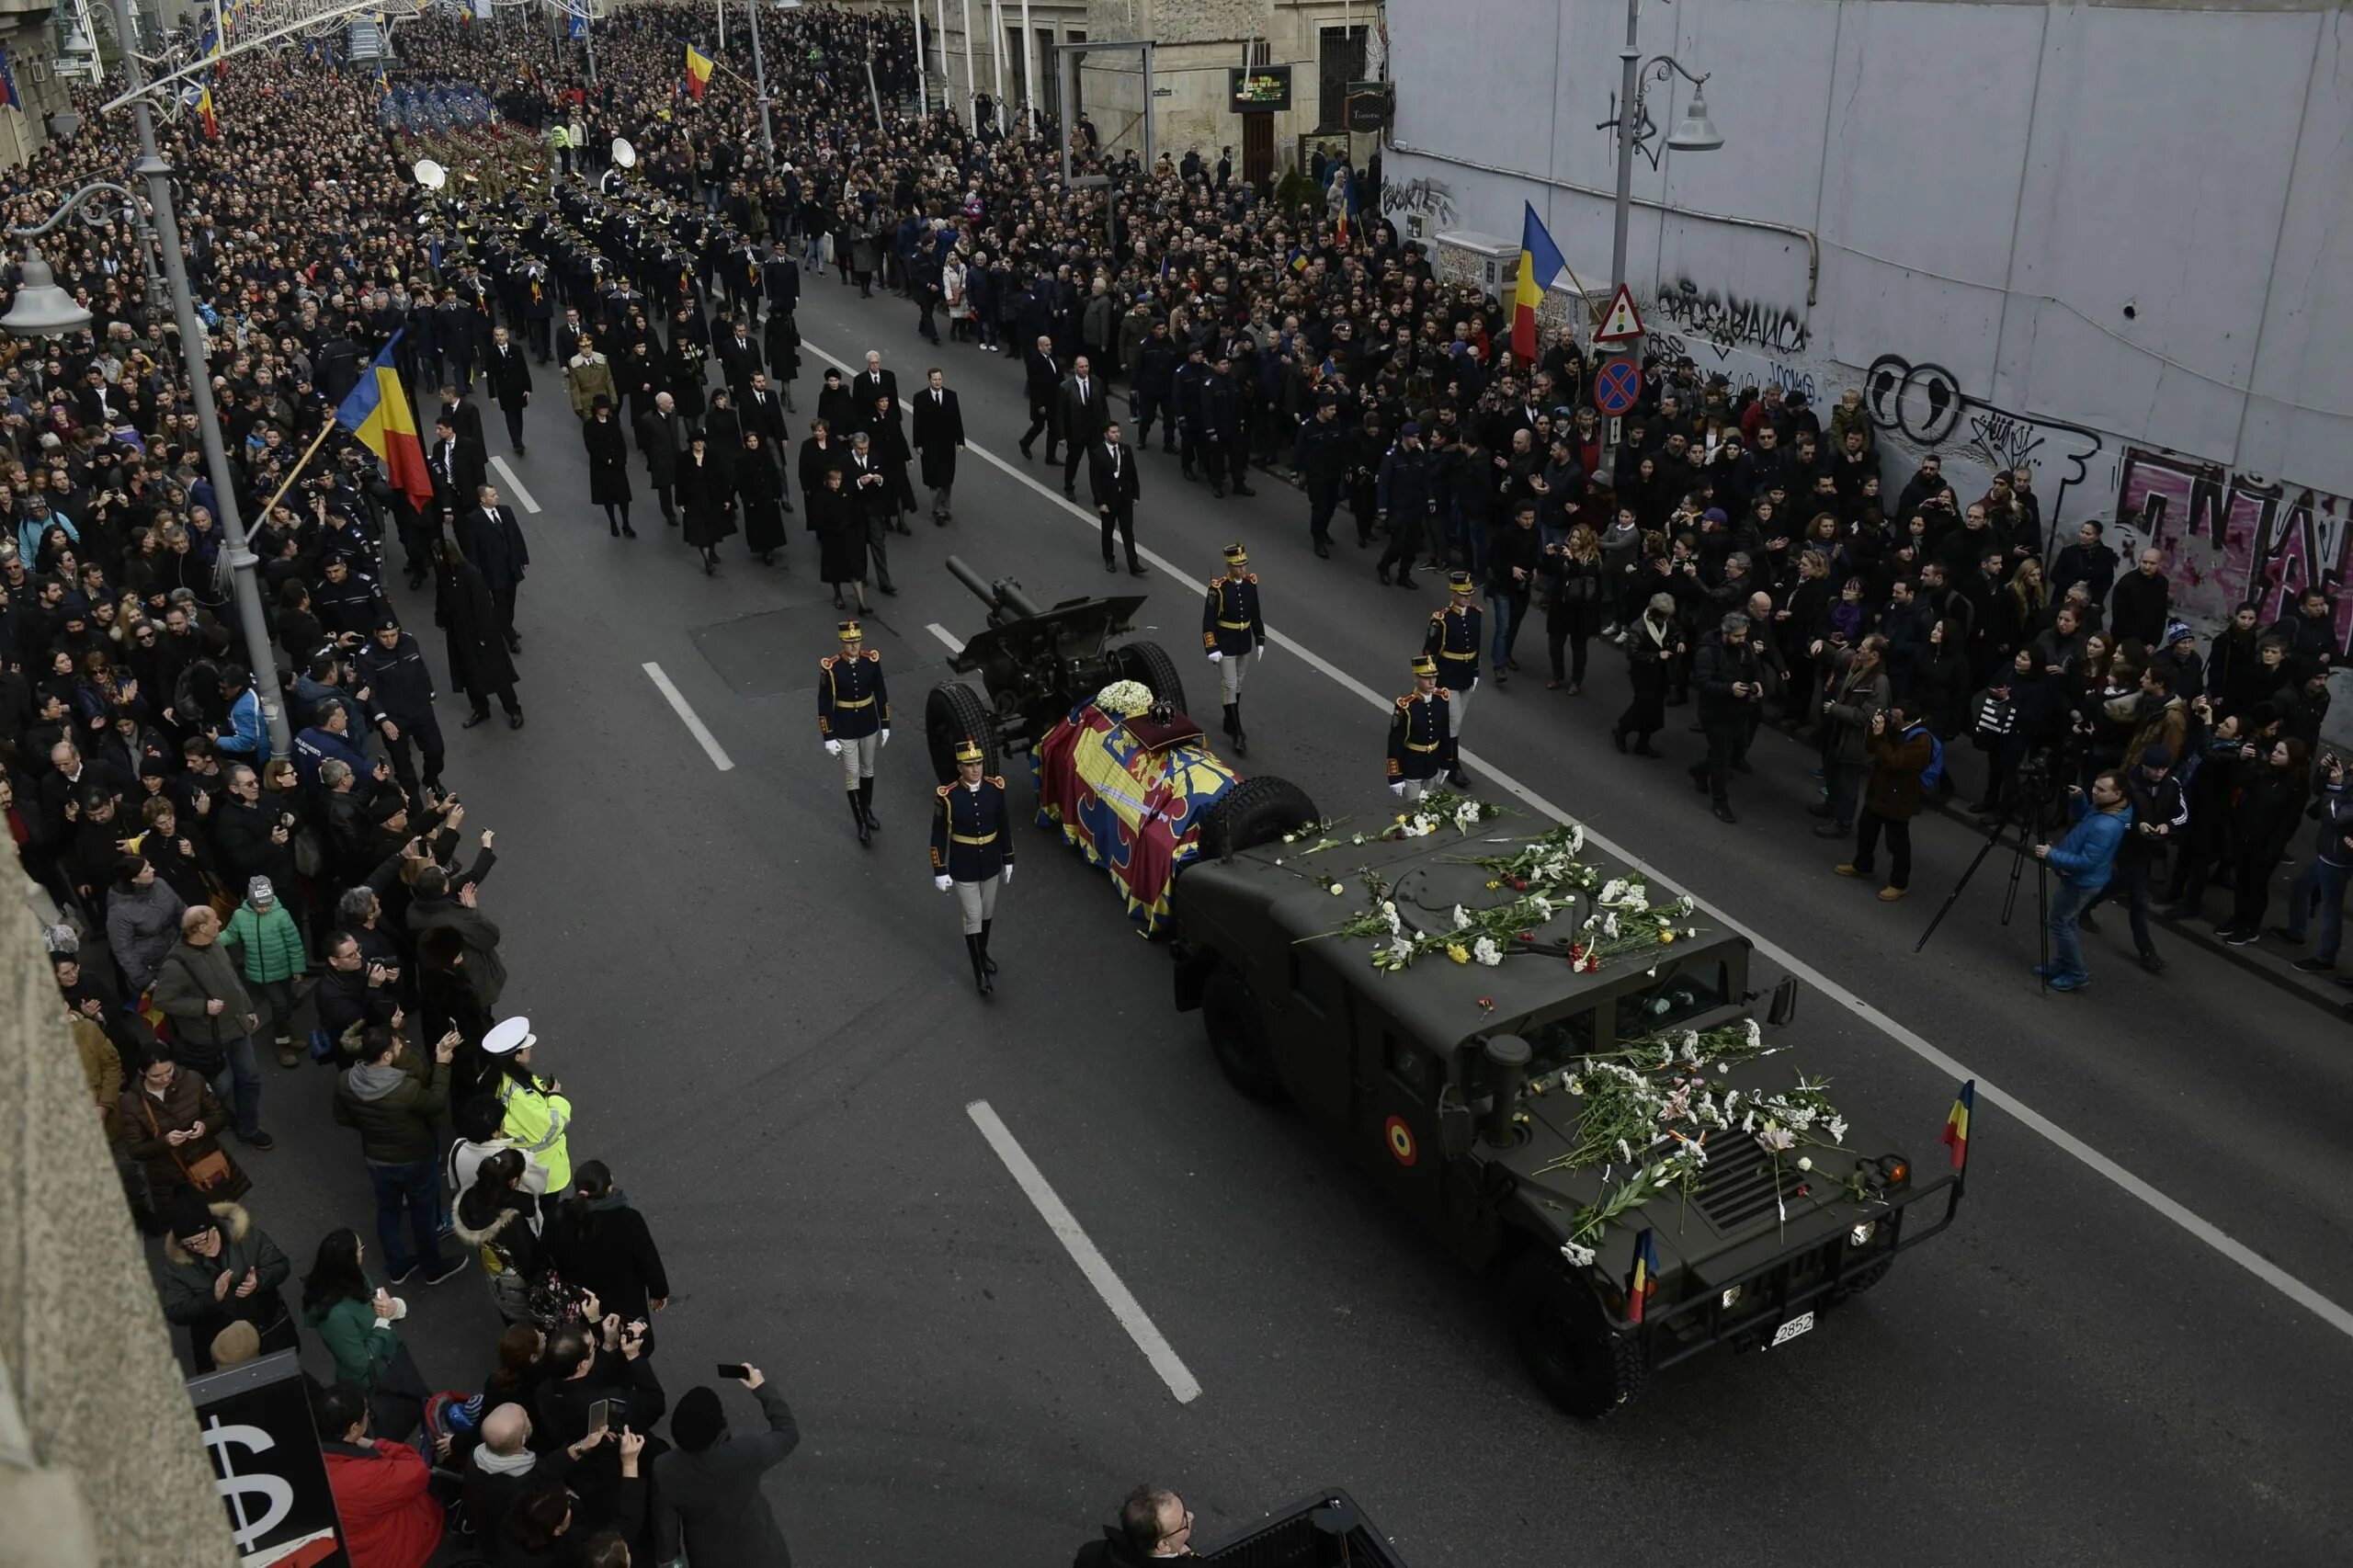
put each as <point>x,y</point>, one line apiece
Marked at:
<point>1036,663</point>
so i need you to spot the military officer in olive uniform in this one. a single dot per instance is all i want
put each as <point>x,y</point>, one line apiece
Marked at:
<point>854,718</point>
<point>1421,735</point>
<point>1453,642</point>
<point>1232,631</point>
<point>971,854</point>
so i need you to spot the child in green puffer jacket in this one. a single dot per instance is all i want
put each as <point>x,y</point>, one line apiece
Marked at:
<point>267,942</point>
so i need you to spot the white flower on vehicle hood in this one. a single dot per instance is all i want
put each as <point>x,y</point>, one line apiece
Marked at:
<point>1578,1256</point>
<point>1484,951</point>
<point>1461,918</point>
<point>1756,1035</point>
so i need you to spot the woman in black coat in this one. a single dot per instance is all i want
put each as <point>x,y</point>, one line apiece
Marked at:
<point>783,352</point>
<point>755,487</point>
<point>1655,642</point>
<point>683,366</point>
<point>608,466</point>
<point>2271,804</point>
<point>598,1243</point>
<point>706,500</point>
<point>640,377</point>
<point>840,523</point>
<point>480,664</point>
<point>1572,599</point>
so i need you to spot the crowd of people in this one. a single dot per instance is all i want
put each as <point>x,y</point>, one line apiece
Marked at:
<point>220,907</point>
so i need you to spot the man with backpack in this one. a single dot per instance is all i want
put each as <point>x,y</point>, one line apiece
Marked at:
<point>1907,761</point>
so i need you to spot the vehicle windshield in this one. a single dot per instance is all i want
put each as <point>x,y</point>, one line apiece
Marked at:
<point>1685,994</point>
<point>1559,1041</point>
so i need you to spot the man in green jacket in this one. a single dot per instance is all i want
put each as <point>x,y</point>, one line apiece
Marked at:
<point>212,1019</point>
<point>391,1100</point>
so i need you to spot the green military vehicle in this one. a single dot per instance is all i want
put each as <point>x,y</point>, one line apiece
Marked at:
<point>1554,1068</point>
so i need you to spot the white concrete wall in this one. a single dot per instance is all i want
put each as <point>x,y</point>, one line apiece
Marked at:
<point>2113,239</point>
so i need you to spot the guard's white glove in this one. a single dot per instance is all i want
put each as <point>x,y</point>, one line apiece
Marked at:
<point>1262,652</point>
<point>832,748</point>
<point>1398,789</point>
<point>1215,655</point>
<point>886,737</point>
<point>1005,873</point>
<point>942,882</point>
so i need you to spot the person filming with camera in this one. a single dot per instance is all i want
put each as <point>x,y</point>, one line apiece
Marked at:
<point>2084,859</point>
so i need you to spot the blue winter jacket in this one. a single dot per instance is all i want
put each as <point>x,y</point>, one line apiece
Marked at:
<point>2086,856</point>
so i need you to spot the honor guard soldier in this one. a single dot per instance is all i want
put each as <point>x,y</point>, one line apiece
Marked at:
<point>1421,735</point>
<point>854,717</point>
<point>971,854</point>
<point>1453,642</point>
<point>1232,630</point>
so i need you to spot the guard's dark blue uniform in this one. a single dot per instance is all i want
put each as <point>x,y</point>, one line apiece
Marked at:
<point>852,701</point>
<point>968,839</point>
<point>1421,740</point>
<point>1230,623</point>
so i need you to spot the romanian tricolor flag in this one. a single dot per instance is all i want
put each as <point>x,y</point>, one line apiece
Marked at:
<point>1956,1135</point>
<point>1539,263</point>
<point>378,412</point>
<point>698,69</point>
<point>1643,1285</point>
<point>204,113</point>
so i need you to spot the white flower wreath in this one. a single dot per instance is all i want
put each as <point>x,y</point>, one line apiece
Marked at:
<point>1124,698</point>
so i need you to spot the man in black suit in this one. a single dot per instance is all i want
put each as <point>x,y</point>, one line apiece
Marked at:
<point>509,374</point>
<point>1042,379</point>
<point>1085,409</point>
<point>458,466</point>
<point>1111,477</point>
<point>739,358</point>
<point>763,412</point>
<point>940,435</point>
<point>865,477</point>
<point>875,381</point>
<point>493,541</point>
<point>662,442</point>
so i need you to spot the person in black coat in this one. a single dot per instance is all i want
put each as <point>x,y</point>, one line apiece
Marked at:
<point>940,435</point>
<point>756,489</point>
<point>1084,407</point>
<point>508,372</point>
<point>608,466</point>
<point>492,539</point>
<point>782,351</point>
<point>887,445</point>
<point>707,497</point>
<point>1655,642</point>
<point>660,441</point>
<point>1113,483</point>
<point>2142,601</point>
<point>682,369</point>
<point>598,1243</point>
<point>458,466</point>
<point>840,526</point>
<point>467,612</point>
<point>762,411</point>
<point>1041,379</point>
<point>724,429</point>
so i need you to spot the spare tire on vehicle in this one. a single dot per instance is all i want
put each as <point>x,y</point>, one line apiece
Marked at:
<point>953,714</point>
<point>1150,662</point>
<point>1254,811</point>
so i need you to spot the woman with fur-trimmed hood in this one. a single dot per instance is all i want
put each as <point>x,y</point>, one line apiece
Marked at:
<point>218,1268</point>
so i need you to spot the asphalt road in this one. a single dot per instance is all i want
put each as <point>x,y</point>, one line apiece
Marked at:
<point>770,1034</point>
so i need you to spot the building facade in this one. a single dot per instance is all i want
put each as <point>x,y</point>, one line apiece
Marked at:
<point>2106,240</point>
<point>1320,45</point>
<point>28,41</point>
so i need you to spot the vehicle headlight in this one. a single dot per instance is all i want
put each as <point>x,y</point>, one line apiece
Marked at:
<point>1731,1297</point>
<point>1861,1235</point>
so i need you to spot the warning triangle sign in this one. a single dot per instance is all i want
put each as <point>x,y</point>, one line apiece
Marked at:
<point>1623,322</point>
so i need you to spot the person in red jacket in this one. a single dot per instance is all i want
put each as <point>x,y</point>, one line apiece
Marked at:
<point>389,1520</point>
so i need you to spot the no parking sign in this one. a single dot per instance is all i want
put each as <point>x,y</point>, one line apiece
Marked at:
<point>1617,386</point>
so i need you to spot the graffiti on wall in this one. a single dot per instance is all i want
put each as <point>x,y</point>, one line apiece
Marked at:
<point>1925,405</point>
<point>2230,537</point>
<point>1742,368</point>
<point>1428,199</point>
<point>1722,321</point>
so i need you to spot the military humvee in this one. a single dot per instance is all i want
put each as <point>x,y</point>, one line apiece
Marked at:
<point>1457,1085</point>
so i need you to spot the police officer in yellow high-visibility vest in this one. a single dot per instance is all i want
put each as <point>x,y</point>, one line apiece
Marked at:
<point>538,1119</point>
<point>562,139</point>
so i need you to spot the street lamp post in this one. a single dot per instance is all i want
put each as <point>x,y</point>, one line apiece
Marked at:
<point>35,313</point>
<point>1695,132</point>
<point>760,79</point>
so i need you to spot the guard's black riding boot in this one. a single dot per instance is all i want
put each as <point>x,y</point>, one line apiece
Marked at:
<point>1234,728</point>
<point>980,964</point>
<point>986,963</point>
<point>866,804</point>
<point>858,815</point>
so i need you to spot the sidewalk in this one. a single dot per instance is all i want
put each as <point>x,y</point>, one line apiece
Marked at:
<point>2269,960</point>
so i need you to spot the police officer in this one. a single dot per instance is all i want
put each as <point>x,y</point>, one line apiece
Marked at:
<point>1421,735</point>
<point>1452,642</point>
<point>854,719</point>
<point>971,854</point>
<point>1323,458</point>
<point>1185,407</point>
<point>1232,630</point>
<point>1406,495</point>
<point>398,690</point>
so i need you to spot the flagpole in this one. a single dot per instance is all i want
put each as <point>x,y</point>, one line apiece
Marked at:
<point>996,62</point>
<point>972,99</point>
<point>296,471</point>
<point>768,138</point>
<point>923,101</point>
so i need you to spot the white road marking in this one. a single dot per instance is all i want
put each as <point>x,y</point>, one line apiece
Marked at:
<point>955,643</point>
<point>2335,1316</point>
<point>695,726</point>
<point>1156,1350</point>
<point>514,485</point>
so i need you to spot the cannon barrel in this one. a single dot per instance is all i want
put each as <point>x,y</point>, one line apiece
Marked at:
<point>1003,596</point>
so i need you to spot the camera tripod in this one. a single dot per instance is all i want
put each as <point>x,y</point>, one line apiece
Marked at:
<point>2030,837</point>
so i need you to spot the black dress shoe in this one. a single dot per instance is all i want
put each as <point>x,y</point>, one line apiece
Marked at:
<point>1323,551</point>
<point>890,591</point>
<point>1137,569</point>
<point>1110,565</point>
<point>1724,813</point>
<point>1243,490</point>
<point>515,720</point>
<point>470,720</point>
